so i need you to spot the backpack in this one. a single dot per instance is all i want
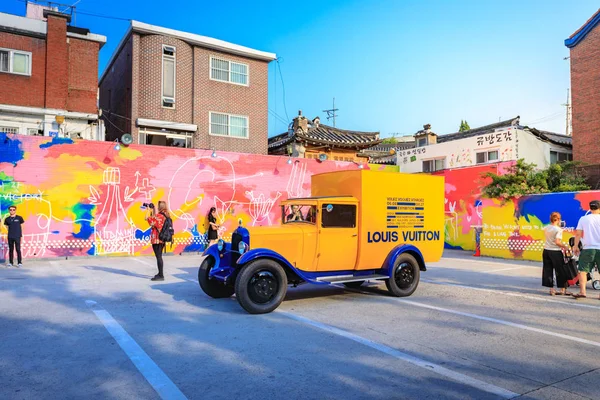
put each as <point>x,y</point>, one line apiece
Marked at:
<point>166,233</point>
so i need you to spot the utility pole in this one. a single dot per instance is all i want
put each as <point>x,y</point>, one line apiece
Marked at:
<point>569,128</point>
<point>331,113</point>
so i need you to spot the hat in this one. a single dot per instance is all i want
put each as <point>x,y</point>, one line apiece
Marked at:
<point>594,204</point>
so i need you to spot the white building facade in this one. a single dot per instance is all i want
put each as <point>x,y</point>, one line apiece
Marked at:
<point>500,142</point>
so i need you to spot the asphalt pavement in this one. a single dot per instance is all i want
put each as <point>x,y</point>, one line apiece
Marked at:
<point>98,328</point>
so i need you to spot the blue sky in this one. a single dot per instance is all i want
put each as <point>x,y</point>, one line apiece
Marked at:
<point>392,66</point>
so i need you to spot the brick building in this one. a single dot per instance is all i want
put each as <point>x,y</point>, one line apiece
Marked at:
<point>173,88</point>
<point>584,47</point>
<point>311,139</point>
<point>49,77</point>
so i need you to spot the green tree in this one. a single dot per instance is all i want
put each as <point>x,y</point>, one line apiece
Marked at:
<point>464,126</point>
<point>524,179</point>
<point>390,140</point>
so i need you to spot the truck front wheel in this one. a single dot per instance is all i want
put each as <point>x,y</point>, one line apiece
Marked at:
<point>261,286</point>
<point>211,287</point>
<point>405,276</point>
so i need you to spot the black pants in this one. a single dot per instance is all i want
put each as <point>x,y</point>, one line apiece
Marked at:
<point>12,244</point>
<point>554,262</point>
<point>158,249</point>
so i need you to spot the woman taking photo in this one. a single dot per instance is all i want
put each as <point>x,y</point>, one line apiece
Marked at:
<point>553,257</point>
<point>213,235</point>
<point>156,221</point>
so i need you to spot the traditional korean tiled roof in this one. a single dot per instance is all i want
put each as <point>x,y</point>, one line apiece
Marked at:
<point>324,135</point>
<point>513,122</point>
<point>580,33</point>
<point>382,153</point>
<point>555,138</point>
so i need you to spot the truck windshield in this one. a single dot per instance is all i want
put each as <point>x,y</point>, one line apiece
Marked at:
<point>299,213</point>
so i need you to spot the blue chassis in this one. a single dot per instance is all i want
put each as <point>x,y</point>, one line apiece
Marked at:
<point>225,268</point>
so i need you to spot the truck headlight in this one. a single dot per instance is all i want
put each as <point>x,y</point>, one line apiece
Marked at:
<point>242,247</point>
<point>220,244</point>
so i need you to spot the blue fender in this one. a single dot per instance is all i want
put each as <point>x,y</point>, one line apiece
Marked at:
<point>388,264</point>
<point>222,270</point>
<point>266,253</point>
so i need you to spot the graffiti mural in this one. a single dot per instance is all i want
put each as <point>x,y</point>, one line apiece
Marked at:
<point>84,198</point>
<point>464,206</point>
<point>515,229</point>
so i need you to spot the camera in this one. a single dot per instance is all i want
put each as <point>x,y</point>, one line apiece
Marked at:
<point>148,205</point>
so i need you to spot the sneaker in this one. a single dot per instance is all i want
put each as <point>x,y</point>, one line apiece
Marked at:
<point>158,278</point>
<point>19,265</point>
<point>9,265</point>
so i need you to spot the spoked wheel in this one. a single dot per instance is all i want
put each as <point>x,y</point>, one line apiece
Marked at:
<point>212,287</point>
<point>596,284</point>
<point>261,286</point>
<point>405,276</point>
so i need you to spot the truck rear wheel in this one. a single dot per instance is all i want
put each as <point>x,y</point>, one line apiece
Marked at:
<point>405,276</point>
<point>212,287</point>
<point>261,286</point>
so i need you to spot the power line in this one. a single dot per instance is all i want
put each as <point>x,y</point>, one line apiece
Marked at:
<point>282,87</point>
<point>110,122</point>
<point>83,12</point>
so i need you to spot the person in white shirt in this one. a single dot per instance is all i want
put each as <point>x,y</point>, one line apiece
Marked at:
<point>553,257</point>
<point>588,232</point>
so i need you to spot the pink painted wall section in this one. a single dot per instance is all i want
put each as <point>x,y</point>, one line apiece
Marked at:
<point>83,198</point>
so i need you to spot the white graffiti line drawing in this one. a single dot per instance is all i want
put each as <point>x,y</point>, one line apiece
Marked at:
<point>32,244</point>
<point>452,220</point>
<point>94,196</point>
<point>296,180</point>
<point>147,189</point>
<point>127,196</point>
<point>452,206</point>
<point>468,218</point>
<point>114,232</point>
<point>479,209</point>
<point>261,206</point>
<point>239,179</point>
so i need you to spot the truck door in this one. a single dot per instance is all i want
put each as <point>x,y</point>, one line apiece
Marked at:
<point>337,237</point>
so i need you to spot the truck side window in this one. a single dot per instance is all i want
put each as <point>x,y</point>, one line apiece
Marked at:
<point>338,216</point>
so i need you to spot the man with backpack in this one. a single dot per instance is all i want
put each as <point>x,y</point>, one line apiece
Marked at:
<point>161,233</point>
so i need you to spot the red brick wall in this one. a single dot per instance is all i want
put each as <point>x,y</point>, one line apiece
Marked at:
<point>20,90</point>
<point>224,97</point>
<point>57,60</point>
<point>195,94</point>
<point>585,87</point>
<point>83,75</point>
<point>115,94</point>
<point>69,83</point>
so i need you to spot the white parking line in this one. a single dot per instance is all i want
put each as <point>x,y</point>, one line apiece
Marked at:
<point>500,270</point>
<point>155,376</point>
<point>455,376</point>
<point>501,322</point>
<point>571,303</point>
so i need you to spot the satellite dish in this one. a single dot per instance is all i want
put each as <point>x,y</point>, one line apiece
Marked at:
<point>322,157</point>
<point>127,138</point>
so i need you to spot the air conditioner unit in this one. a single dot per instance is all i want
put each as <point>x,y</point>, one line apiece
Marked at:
<point>167,102</point>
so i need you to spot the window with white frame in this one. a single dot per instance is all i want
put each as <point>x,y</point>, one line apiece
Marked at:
<point>228,71</point>
<point>437,164</point>
<point>9,129</point>
<point>15,61</point>
<point>558,157</point>
<point>486,156</point>
<point>228,125</point>
<point>168,76</point>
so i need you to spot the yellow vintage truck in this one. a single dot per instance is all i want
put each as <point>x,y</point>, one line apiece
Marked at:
<point>357,226</point>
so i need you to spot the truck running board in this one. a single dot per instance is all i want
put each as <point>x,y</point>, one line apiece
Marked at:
<point>351,278</point>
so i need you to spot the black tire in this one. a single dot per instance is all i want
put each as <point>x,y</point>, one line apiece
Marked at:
<point>596,284</point>
<point>405,276</point>
<point>211,287</point>
<point>261,286</point>
<point>354,285</point>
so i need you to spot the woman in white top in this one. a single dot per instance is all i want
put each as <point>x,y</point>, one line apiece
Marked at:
<point>553,257</point>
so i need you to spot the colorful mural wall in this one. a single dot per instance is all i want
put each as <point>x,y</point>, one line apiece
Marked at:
<point>515,229</point>
<point>464,209</point>
<point>83,198</point>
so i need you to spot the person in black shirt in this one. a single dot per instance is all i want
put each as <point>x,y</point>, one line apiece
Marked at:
<point>213,234</point>
<point>13,223</point>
